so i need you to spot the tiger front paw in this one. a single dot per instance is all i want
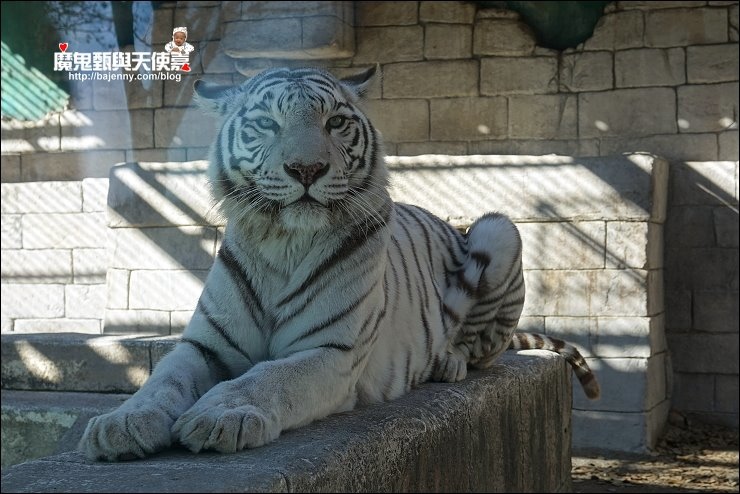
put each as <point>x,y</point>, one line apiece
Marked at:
<point>224,429</point>
<point>126,435</point>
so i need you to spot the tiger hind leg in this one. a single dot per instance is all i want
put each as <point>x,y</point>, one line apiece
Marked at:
<point>485,301</point>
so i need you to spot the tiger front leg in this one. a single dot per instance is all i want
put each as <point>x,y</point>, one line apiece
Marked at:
<point>252,410</point>
<point>142,425</point>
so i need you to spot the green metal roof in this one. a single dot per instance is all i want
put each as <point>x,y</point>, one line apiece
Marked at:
<point>27,94</point>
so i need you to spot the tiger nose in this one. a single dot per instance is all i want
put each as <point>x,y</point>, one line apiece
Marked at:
<point>306,174</point>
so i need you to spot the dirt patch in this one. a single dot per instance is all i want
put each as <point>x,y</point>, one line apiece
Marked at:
<point>691,457</point>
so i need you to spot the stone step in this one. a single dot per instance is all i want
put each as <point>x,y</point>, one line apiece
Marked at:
<point>80,362</point>
<point>41,423</point>
<point>507,429</point>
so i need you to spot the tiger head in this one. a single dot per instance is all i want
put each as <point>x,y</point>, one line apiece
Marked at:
<point>295,150</point>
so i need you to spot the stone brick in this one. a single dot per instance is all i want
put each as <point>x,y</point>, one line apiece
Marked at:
<point>11,231</point>
<point>65,230</point>
<point>231,10</point>
<point>698,27</point>
<point>186,247</point>
<point>195,154</point>
<point>634,245</point>
<point>37,266</point>
<point>86,326</point>
<point>10,168</point>
<point>452,12</point>
<point>160,194</point>
<point>26,301</point>
<point>726,394</point>
<point>128,95</point>
<point>85,301</point>
<point>583,188</point>
<point>655,5</point>
<point>42,197</point>
<point>179,320</point>
<point>657,391</point>
<point>183,127</point>
<point>586,293</point>
<point>89,266</point>
<point>726,227</point>
<point>438,79</point>
<point>591,433</point>
<point>162,24</point>
<point>712,64</point>
<point>136,321</point>
<point>624,384</point>
<point>673,147</point>
<point>563,245</point>
<point>717,271</point>
<point>118,129</point>
<point>328,37</point>
<point>400,120</point>
<point>704,353</point>
<point>728,146</point>
<point>715,311</point>
<point>417,148</point>
<point>690,226</point>
<point>543,116</point>
<point>117,282</point>
<point>214,59</point>
<point>617,31</point>
<point>503,37</point>
<point>389,44</point>
<point>447,41</point>
<point>707,108</point>
<point>604,337</point>
<point>156,155</point>
<point>69,166</point>
<point>586,71</point>
<point>584,147</point>
<point>468,119</point>
<point>203,22</point>
<point>94,194</point>
<point>733,30</point>
<point>531,75</point>
<point>263,36</point>
<point>19,136</point>
<point>678,308</point>
<point>386,13</point>
<point>711,183</point>
<point>632,292</point>
<point>557,293</point>
<point>627,112</point>
<point>650,67</point>
<point>165,289</point>
<point>692,391</point>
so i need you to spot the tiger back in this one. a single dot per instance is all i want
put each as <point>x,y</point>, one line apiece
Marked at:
<point>324,293</point>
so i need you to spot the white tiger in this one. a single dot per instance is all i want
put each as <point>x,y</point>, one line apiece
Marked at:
<point>325,293</point>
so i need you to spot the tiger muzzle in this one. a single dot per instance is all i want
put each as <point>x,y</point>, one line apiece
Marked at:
<point>306,174</point>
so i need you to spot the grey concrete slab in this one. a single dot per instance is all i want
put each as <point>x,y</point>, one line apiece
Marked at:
<point>507,429</point>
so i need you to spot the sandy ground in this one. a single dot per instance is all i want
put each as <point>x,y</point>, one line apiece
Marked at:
<point>691,457</point>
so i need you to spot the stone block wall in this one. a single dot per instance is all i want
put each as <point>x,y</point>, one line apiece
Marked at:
<point>660,77</point>
<point>54,256</point>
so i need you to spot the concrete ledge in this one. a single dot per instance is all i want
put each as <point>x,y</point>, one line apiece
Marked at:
<point>504,430</point>
<point>41,423</point>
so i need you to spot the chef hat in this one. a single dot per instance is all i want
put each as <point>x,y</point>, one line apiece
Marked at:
<point>180,30</point>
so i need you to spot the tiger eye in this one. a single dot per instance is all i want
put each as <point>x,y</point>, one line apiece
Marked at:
<point>335,122</point>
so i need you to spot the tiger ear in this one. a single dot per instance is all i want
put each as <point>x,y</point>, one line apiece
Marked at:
<point>361,83</point>
<point>212,97</point>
